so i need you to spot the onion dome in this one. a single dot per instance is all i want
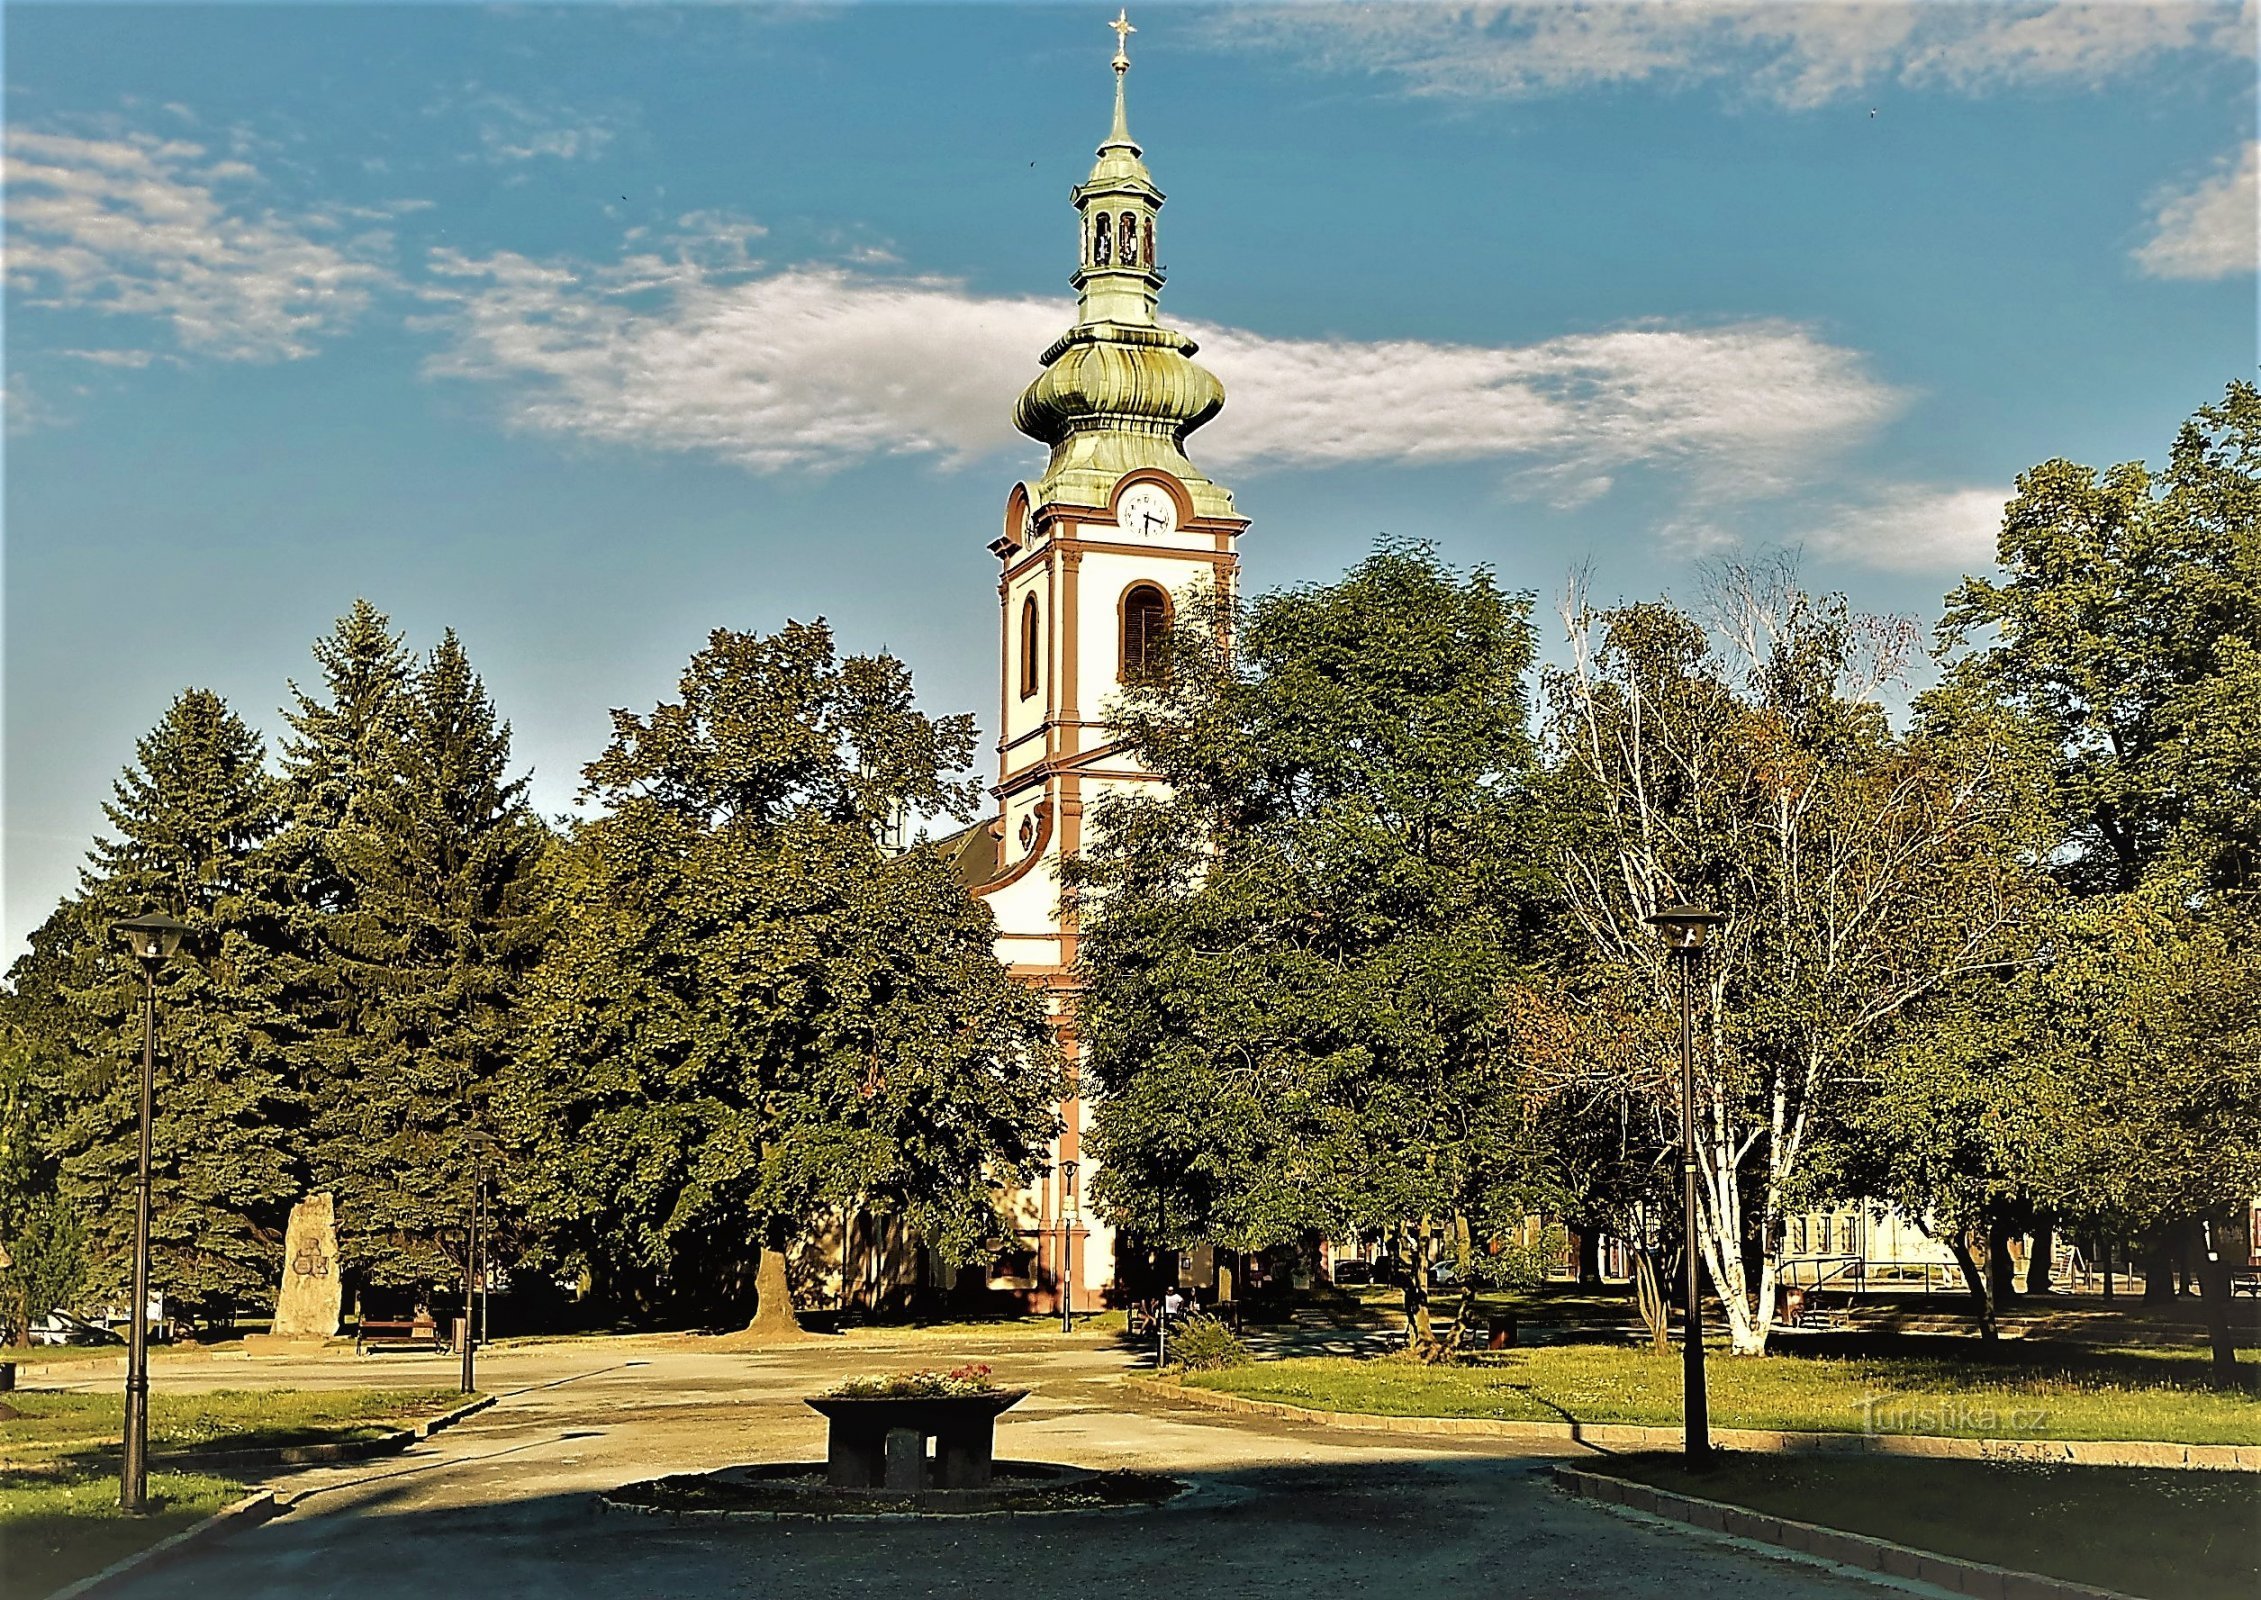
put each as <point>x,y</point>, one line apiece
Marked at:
<point>1119,391</point>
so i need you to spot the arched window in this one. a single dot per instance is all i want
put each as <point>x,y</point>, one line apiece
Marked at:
<point>1102,238</point>
<point>1028,647</point>
<point>1129,251</point>
<point>1146,633</point>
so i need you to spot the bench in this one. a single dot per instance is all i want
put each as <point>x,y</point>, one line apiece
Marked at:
<point>419,1333</point>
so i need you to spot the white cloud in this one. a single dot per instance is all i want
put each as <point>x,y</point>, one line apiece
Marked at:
<point>1796,52</point>
<point>1916,528</point>
<point>1745,408</point>
<point>817,366</point>
<point>143,227</point>
<point>2208,230</point>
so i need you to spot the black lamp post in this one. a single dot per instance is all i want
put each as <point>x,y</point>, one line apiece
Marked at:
<point>473,1274</point>
<point>153,941</point>
<point>1684,928</point>
<point>1071,1209</point>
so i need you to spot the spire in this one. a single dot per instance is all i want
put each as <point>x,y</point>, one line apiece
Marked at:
<point>1120,134</point>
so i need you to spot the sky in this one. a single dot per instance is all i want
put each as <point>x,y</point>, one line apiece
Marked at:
<point>586,330</point>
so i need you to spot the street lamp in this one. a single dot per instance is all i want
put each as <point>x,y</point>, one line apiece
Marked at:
<point>1071,1209</point>
<point>1684,928</point>
<point>481,1143</point>
<point>153,941</point>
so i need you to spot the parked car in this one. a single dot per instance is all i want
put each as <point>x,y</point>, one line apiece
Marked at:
<point>61,1327</point>
<point>1353,1272</point>
<point>1444,1275</point>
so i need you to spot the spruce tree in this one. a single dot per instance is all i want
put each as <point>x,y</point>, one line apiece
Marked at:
<point>438,916</point>
<point>192,817</point>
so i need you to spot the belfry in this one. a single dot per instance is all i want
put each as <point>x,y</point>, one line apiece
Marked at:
<point>1096,556</point>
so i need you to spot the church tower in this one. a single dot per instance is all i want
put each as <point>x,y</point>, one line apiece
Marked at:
<point>1097,556</point>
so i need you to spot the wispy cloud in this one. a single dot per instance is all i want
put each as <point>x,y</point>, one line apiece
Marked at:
<point>819,366</point>
<point>1798,53</point>
<point>1915,528</point>
<point>140,227</point>
<point>511,130</point>
<point>2208,230</point>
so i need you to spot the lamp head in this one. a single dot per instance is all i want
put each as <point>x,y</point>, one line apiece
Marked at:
<point>153,938</point>
<point>1071,1199</point>
<point>1684,927</point>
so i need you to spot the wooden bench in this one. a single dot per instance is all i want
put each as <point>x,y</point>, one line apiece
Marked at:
<point>420,1333</point>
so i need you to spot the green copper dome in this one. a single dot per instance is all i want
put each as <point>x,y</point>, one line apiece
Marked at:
<point>1119,391</point>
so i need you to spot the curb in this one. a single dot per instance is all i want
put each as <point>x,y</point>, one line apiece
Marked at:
<point>1979,1579</point>
<point>248,1512</point>
<point>1613,1438</point>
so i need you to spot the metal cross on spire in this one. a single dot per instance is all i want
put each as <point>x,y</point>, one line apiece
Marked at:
<point>1123,31</point>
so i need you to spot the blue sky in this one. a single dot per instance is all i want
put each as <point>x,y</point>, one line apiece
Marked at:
<point>586,330</point>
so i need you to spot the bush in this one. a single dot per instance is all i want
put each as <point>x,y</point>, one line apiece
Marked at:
<point>1203,1344</point>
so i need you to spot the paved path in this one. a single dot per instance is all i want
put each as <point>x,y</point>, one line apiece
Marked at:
<point>503,1505</point>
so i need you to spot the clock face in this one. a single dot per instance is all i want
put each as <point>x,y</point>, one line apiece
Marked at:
<point>1146,509</point>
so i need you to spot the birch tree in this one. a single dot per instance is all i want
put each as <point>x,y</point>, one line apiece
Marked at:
<point>1743,759</point>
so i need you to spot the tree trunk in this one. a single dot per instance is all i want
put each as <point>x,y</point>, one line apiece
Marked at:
<point>2159,1270</point>
<point>1417,1327</point>
<point>2040,1265</point>
<point>1648,1296</point>
<point>1982,1301</point>
<point>2215,1267</point>
<point>773,1290</point>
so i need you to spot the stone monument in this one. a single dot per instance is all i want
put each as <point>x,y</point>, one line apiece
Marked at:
<point>312,1297</point>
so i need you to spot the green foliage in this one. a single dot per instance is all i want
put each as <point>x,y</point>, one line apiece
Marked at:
<point>1293,961</point>
<point>441,915</point>
<point>2126,626</point>
<point>752,1014</point>
<point>42,1246</point>
<point>1204,1344</point>
<point>192,817</point>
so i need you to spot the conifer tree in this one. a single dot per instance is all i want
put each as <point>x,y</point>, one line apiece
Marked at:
<point>437,916</point>
<point>192,817</point>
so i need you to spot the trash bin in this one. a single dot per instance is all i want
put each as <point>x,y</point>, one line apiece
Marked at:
<point>7,1376</point>
<point>1502,1334</point>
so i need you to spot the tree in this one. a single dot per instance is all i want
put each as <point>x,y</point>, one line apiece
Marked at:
<point>192,817</point>
<point>2126,629</point>
<point>437,918</point>
<point>42,1248</point>
<point>1294,956</point>
<point>753,1014</point>
<point>2126,625</point>
<point>1748,766</point>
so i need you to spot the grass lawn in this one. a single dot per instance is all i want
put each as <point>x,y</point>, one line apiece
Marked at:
<point>59,1517</point>
<point>2026,1390</point>
<point>2163,1535</point>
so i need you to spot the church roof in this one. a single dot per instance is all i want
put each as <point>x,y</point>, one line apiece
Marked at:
<point>973,852</point>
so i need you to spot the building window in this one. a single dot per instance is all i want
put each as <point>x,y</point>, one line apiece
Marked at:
<point>1146,633</point>
<point>1129,250</point>
<point>1028,647</point>
<point>1102,240</point>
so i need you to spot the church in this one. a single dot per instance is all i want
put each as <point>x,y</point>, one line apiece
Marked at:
<point>1094,557</point>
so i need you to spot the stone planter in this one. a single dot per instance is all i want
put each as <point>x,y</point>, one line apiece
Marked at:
<point>880,1443</point>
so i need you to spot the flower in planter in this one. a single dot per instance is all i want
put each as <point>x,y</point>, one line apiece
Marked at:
<point>926,1384</point>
